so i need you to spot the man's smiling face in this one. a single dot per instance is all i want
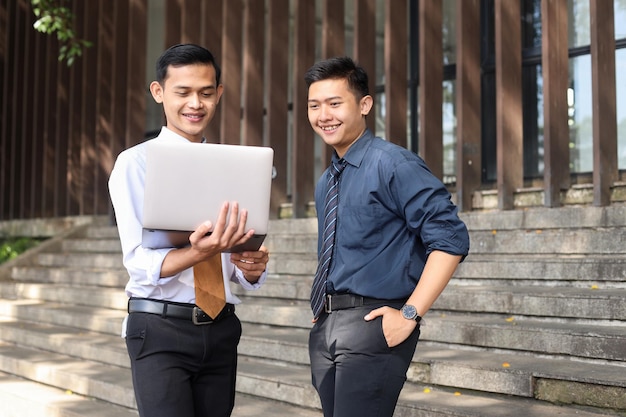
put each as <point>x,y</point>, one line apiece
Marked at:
<point>189,95</point>
<point>336,114</point>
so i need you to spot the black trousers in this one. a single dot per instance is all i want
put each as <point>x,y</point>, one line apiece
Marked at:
<point>354,371</point>
<point>180,369</point>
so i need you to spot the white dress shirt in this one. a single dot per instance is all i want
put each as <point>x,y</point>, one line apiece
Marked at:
<point>126,187</point>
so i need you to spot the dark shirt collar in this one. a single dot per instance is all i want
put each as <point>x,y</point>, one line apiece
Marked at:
<point>356,152</point>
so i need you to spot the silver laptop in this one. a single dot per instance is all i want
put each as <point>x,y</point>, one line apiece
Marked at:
<point>187,184</point>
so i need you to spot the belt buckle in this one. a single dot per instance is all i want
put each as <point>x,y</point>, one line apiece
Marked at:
<point>328,308</point>
<point>197,317</point>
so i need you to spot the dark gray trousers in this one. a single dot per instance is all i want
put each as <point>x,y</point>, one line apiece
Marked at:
<point>354,371</point>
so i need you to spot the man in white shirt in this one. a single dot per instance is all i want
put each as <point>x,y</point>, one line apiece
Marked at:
<point>183,360</point>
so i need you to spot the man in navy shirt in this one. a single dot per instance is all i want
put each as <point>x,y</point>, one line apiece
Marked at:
<point>394,243</point>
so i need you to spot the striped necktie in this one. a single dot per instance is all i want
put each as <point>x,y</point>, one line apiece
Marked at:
<point>318,291</point>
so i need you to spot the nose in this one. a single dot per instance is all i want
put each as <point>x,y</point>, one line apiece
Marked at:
<point>325,112</point>
<point>194,101</point>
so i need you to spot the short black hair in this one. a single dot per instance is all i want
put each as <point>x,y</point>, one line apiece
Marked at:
<point>185,54</point>
<point>340,68</point>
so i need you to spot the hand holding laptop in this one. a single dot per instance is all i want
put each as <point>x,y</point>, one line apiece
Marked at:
<point>222,236</point>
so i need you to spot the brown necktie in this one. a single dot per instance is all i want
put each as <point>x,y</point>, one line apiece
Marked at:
<point>209,284</point>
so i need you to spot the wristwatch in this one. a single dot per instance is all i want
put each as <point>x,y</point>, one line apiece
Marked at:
<point>409,312</point>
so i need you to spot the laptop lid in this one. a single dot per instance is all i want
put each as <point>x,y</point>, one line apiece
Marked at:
<point>187,184</point>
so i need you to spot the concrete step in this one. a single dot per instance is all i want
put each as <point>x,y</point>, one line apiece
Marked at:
<point>416,400</point>
<point>81,260</point>
<point>547,218</point>
<point>599,240</point>
<point>584,339</point>
<point>487,371</point>
<point>100,320</point>
<point>93,379</point>
<point>287,347</point>
<point>25,398</point>
<point>103,277</point>
<point>515,333</point>
<point>581,270</point>
<point>77,294</point>
<point>547,301</point>
<point>93,245</point>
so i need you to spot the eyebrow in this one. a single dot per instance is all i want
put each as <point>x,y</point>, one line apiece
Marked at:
<point>326,99</point>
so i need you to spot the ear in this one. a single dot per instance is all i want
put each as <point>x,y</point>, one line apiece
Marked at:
<point>366,104</point>
<point>220,90</point>
<point>157,91</point>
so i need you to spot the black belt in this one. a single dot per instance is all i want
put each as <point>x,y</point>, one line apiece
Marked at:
<point>335,302</point>
<point>168,309</point>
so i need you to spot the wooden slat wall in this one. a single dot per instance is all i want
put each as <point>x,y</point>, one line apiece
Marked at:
<point>556,131</point>
<point>253,53</point>
<point>212,11</point>
<point>468,71</point>
<point>62,128</point>
<point>363,51</point>
<point>431,89</point>
<point>333,44</point>
<point>278,101</point>
<point>396,71</point>
<point>508,100</point>
<point>231,62</point>
<point>302,182</point>
<point>604,100</point>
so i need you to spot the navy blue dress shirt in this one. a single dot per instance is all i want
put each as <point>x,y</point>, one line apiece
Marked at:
<point>392,213</point>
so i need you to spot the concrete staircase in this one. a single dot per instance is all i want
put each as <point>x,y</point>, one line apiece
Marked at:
<point>533,324</point>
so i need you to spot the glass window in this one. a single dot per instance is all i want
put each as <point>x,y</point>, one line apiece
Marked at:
<point>449,130</point>
<point>620,81</point>
<point>449,32</point>
<point>578,23</point>
<point>579,102</point>
<point>620,19</point>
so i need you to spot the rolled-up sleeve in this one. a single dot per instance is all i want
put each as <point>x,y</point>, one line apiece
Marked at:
<point>429,212</point>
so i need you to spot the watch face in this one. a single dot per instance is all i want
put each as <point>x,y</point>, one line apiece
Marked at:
<point>409,312</point>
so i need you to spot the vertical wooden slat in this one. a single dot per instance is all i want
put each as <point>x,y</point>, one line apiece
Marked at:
<point>191,21</point>
<point>333,44</point>
<point>508,101</point>
<point>13,156</point>
<point>364,48</point>
<point>231,74</point>
<point>468,96</point>
<point>396,71</point>
<point>61,139</point>
<point>277,80</point>
<point>120,76</point>
<point>6,9</point>
<point>89,155</point>
<point>604,100</point>
<point>173,22</point>
<point>212,12</point>
<point>104,97</point>
<point>554,58</point>
<point>136,60</point>
<point>119,82</point>
<point>302,185</point>
<point>431,85</point>
<point>26,144</point>
<point>37,109</point>
<point>253,52</point>
<point>49,127</point>
<point>333,31</point>
<point>74,123</point>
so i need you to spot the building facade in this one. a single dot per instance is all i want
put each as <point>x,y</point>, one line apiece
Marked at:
<point>510,102</point>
